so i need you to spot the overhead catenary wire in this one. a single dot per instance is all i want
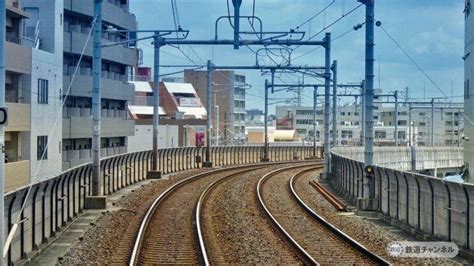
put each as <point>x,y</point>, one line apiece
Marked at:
<point>315,15</point>
<point>319,47</point>
<point>412,60</point>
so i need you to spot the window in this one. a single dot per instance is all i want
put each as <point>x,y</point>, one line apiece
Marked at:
<point>346,134</point>
<point>42,148</point>
<point>402,122</point>
<point>402,135</point>
<point>422,114</point>
<point>380,134</point>
<point>304,112</point>
<point>422,124</point>
<point>43,91</point>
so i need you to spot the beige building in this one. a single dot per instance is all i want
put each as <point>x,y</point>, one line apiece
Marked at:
<point>228,102</point>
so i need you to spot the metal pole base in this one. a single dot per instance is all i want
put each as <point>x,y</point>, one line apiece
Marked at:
<point>365,204</point>
<point>207,164</point>
<point>324,176</point>
<point>96,203</point>
<point>153,174</point>
<point>264,160</point>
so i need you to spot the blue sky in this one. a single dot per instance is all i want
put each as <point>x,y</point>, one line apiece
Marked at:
<point>431,31</point>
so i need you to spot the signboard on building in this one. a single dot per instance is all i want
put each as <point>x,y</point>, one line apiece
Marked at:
<point>189,102</point>
<point>200,139</point>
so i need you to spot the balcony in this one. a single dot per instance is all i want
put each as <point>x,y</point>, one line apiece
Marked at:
<point>18,58</point>
<point>239,110</point>
<point>239,97</point>
<point>112,12</point>
<point>112,151</point>
<point>72,158</point>
<point>17,174</point>
<point>112,88</point>
<point>77,127</point>
<point>20,118</point>
<point>75,40</point>
<point>86,112</point>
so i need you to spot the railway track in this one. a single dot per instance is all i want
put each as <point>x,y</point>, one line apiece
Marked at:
<point>314,238</point>
<point>167,234</point>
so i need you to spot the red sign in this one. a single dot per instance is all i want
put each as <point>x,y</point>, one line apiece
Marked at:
<point>200,139</point>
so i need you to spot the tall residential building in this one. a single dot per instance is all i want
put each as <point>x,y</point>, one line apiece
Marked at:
<point>228,102</point>
<point>468,91</point>
<point>117,65</point>
<point>448,124</point>
<point>33,91</point>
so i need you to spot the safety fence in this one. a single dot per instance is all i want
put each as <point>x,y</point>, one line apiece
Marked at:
<point>420,203</point>
<point>54,203</point>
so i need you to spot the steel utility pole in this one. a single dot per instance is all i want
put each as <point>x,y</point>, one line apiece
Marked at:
<point>237,4</point>
<point>362,107</point>
<point>208,162</point>
<point>396,118</point>
<point>369,101</point>
<point>157,43</point>
<point>410,131</point>
<point>96,200</point>
<point>459,127</point>
<point>334,103</point>
<point>2,127</point>
<point>432,122</point>
<point>327,91</point>
<point>315,108</point>
<point>265,123</point>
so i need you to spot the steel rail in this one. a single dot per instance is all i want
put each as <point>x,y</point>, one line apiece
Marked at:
<point>302,252</point>
<point>151,210</point>
<point>354,243</point>
<point>198,211</point>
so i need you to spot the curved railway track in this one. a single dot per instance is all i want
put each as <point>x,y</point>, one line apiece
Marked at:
<point>167,234</point>
<point>314,238</point>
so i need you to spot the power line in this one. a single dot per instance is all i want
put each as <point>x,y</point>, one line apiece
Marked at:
<point>228,14</point>
<point>413,61</point>
<point>336,21</point>
<point>315,15</point>
<point>319,47</point>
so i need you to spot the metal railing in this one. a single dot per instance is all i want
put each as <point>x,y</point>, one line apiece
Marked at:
<point>55,202</point>
<point>427,205</point>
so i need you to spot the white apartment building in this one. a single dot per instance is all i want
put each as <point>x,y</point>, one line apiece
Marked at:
<point>33,86</point>
<point>448,124</point>
<point>118,63</point>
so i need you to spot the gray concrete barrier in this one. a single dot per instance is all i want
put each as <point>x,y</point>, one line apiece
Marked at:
<point>416,202</point>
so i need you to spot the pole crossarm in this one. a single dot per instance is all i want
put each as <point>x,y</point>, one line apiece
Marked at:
<point>257,67</point>
<point>298,85</point>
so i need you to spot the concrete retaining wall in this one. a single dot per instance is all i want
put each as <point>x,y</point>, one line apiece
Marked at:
<point>416,202</point>
<point>402,158</point>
